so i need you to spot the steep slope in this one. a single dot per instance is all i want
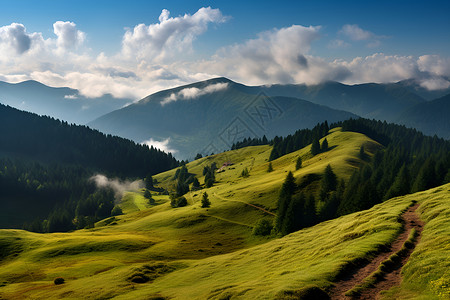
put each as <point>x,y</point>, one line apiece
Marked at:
<point>62,103</point>
<point>370,100</point>
<point>209,116</point>
<point>431,117</point>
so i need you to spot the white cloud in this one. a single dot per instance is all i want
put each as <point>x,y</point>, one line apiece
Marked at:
<point>355,33</point>
<point>170,36</point>
<point>161,145</point>
<point>14,39</point>
<point>71,97</point>
<point>68,36</point>
<point>275,56</point>
<point>118,186</point>
<point>192,93</point>
<point>435,84</point>
<point>156,56</point>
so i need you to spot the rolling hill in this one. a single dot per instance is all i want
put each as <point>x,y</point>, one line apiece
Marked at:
<point>155,251</point>
<point>208,117</point>
<point>62,103</point>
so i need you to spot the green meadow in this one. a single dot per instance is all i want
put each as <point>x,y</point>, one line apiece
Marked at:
<point>156,251</point>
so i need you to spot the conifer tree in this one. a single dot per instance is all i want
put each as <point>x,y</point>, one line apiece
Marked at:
<point>284,199</point>
<point>269,168</point>
<point>401,185</point>
<point>324,146</point>
<point>298,164</point>
<point>315,147</point>
<point>205,201</point>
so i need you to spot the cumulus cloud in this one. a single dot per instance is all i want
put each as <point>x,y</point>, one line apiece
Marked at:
<point>355,33</point>
<point>192,93</point>
<point>275,56</point>
<point>118,186</point>
<point>161,145</point>
<point>68,36</point>
<point>156,56</point>
<point>170,36</point>
<point>14,38</point>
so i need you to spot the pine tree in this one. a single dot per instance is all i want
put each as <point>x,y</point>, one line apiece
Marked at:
<point>328,183</point>
<point>426,178</point>
<point>293,219</point>
<point>205,201</point>
<point>324,146</point>
<point>147,194</point>
<point>195,184</point>
<point>269,168</point>
<point>148,182</point>
<point>284,199</point>
<point>298,164</point>
<point>401,185</point>
<point>315,147</point>
<point>309,212</point>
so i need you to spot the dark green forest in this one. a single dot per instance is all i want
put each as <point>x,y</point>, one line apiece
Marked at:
<point>45,166</point>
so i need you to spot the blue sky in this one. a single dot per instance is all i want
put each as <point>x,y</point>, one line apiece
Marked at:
<point>98,46</point>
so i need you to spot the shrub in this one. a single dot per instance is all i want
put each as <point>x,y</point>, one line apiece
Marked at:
<point>262,227</point>
<point>58,280</point>
<point>181,202</point>
<point>116,211</point>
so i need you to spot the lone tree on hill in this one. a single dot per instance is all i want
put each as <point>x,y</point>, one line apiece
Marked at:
<point>324,146</point>
<point>269,168</point>
<point>205,201</point>
<point>298,164</point>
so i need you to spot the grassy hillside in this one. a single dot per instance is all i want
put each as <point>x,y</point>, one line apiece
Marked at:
<point>195,253</point>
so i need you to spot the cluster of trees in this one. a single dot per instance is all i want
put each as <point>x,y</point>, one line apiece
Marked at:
<point>250,142</point>
<point>184,179</point>
<point>410,162</point>
<point>210,174</point>
<point>77,213</point>
<point>295,210</point>
<point>298,140</point>
<point>316,148</point>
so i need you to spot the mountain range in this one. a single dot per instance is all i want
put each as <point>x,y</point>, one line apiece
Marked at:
<point>209,116</point>
<point>63,103</point>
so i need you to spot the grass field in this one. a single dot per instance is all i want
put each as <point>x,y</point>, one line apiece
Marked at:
<point>196,253</point>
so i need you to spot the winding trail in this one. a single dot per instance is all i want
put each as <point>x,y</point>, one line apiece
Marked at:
<point>410,220</point>
<point>255,206</point>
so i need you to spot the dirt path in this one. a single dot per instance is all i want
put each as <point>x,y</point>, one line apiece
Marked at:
<point>410,220</point>
<point>255,206</point>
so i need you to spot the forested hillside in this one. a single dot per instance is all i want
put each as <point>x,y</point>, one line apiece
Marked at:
<point>45,165</point>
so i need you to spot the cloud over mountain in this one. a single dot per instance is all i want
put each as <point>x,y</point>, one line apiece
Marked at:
<point>163,55</point>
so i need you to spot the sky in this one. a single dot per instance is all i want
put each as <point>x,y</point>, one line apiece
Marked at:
<point>131,49</point>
